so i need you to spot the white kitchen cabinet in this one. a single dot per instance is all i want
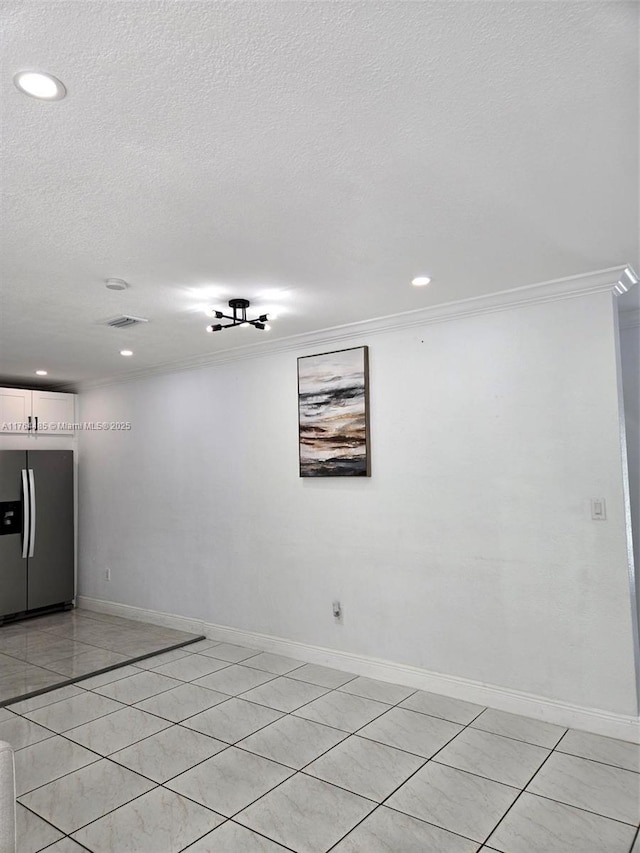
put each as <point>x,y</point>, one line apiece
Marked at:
<point>15,408</point>
<point>51,407</point>
<point>36,412</point>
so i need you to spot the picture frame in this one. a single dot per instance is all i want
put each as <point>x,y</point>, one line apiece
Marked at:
<point>333,414</point>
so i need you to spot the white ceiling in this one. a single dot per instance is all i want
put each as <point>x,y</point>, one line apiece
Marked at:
<point>310,156</point>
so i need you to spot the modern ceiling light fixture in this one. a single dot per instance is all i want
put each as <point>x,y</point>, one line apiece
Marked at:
<point>40,85</point>
<point>41,372</point>
<point>239,318</point>
<point>420,280</point>
<point>126,352</point>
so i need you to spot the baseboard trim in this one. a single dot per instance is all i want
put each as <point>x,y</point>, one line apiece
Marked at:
<point>140,614</point>
<point>552,711</point>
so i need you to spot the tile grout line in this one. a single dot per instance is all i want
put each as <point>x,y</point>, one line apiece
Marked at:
<point>298,772</point>
<point>588,811</point>
<point>347,736</point>
<point>156,785</point>
<point>235,823</point>
<point>422,766</point>
<point>170,725</point>
<point>48,822</point>
<point>581,809</point>
<point>100,756</point>
<point>295,771</point>
<point>522,791</point>
<point>75,679</point>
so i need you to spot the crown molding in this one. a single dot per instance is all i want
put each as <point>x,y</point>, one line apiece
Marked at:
<point>599,281</point>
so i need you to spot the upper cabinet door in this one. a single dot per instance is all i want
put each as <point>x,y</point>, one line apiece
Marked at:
<point>15,410</point>
<point>36,412</point>
<point>55,412</point>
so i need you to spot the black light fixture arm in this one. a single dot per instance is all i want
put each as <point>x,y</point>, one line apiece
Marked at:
<point>239,318</point>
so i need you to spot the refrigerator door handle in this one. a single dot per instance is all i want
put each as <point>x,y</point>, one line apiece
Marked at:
<point>26,511</point>
<point>32,498</point>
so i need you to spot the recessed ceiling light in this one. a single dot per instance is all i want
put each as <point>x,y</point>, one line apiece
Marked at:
<point>116,284</point>
<point>420,280</point>
<point>126,352</point>
<point>41,372</point>
<point>38,84</point>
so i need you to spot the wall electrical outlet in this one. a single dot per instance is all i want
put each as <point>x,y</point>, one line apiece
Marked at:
<point>337,611</point>
<point>107,574</point>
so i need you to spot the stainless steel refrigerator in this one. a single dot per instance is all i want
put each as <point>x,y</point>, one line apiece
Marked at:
<point>36,531</point>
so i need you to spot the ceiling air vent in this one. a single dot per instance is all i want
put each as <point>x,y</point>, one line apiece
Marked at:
<point>124,321</point>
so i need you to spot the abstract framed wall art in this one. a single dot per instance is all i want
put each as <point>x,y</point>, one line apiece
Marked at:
<point>333,414</point>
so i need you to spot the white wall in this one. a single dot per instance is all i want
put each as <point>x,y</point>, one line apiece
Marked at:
<point>630,362</point>
<point>470,551</point>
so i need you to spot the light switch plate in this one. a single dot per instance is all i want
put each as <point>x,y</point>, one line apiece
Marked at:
<point>598,509</point>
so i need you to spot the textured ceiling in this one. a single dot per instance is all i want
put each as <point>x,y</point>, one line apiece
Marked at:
<point>310,156</point>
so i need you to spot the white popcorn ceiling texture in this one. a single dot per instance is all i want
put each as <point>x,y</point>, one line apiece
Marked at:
<point>311,156</point>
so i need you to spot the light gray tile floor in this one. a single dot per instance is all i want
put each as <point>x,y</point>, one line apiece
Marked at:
<point>378,690</point>
<point>413,732</point>
<point>168,753</point>
<point>230,781</point>
<point>519,728</point>
<point>34,833</point>
<point>323,676</point>
<point>274,663</point>
<point>234,679</point>
<point>342,711</point>
<point>229,652</point>
<point>189,668</point>
<point>619,753</point>
<point>388,831</point>
<point>287,756</point>
<point>166,820</point>
<point>48,760</point>
<point>181,702</point>
<point>138,687</point>
<point>455,800</point>
<point>370,769</point>
<point>232,720</point>
<point>454,710</point>
<point>292,741</point>
<point>306,814</point>
<point>48,651</point>
<point>511,762</point>
<point>285,694</point>
<point>116,731</point>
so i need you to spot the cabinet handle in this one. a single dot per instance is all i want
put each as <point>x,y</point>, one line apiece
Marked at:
<point>36,423</point>
<point>29,424</point>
